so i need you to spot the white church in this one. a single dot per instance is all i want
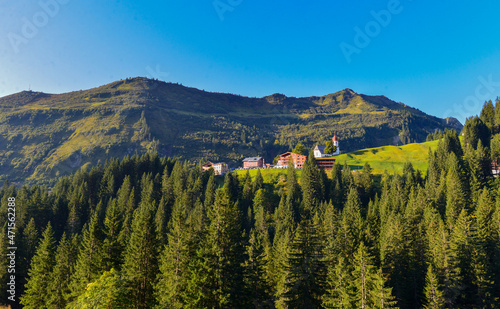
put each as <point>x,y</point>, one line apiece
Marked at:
<point>319,150</point>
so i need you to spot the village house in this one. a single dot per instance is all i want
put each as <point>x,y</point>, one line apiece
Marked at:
<point>220,168</point>
<point>297,159</point>
<point>253,162</point>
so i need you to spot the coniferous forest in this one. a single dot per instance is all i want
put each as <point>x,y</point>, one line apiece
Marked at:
<point>151,232</point>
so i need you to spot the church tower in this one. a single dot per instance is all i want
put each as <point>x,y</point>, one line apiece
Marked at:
<point>335,141</point>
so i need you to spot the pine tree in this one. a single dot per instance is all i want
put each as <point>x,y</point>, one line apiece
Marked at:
<point>369,285</point>
<point>161,223</point>
<point>488,114</point>
<point>126,229</point>
<point>210,192</point>
<point>393,255</point>
<point>89,265</point>
<point>173,276</point>
<point>337,287</point>
<point>456,198</point>
<point>256,272</point>
<point>304,286</point>
<point>434,298</point>
<point>293,192</point>
<point>29,243</point>
<point>217,282</point>
<point>41,267</point>
<point>311,186</point>
<point>58,286</point>
<point>281,260</point>
<point>461,288</point>
<point>258,182</point>
<point>381,295</point>
<point>351,226</point>
<point>483,256</point>
<point>141,258</point>
<point>111,247</point>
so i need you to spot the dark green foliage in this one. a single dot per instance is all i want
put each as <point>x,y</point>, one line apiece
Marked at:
<point>40,271</point>
<point>433,291</point>
<point>58,286</point>
<point>141,257</point>
<point>299,149</point>
<point>330,148</point>
<point>304,286</point>
<point>90,261</point>
<point>476,130</point>
<point>220,258</point>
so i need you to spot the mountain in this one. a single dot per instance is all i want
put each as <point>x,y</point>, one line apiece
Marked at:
<point>44,136</point>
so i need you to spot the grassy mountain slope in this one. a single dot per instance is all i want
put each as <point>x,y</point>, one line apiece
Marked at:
<point>390,158</point>
<point>43,136</point>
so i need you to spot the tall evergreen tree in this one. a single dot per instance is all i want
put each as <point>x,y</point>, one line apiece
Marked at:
<point>111,247</point>
<point>311,186</point>
<point>58,286</point>
<point>221,257</point>
<point>141,258</point>
<point>337,288</point>
<point>39,274</point>
<point>434,298</point>
<point>89,265</point>
<point>173,276</point>
<point>307,268</point>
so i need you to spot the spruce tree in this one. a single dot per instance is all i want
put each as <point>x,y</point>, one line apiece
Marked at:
<point>434,298</point>
<point>89,265</point>
<point>368,285</point>
<point>40,271</point>
<point>351,226</point>
<point>337,286</point>
<point>456,198</point>
<point>58,287</point>
<point>257,281</point>
<point>111,247</point>
<point>311,186</point>
<point>173,276</point>
<point>220,257</point>
<point>306,274</point>
<point>141,257</point>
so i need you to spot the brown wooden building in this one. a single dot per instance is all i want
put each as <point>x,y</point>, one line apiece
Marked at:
<point>325,163</point>
<point>298,159</point>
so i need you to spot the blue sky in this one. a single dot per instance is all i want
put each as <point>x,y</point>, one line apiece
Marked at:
<point>441,57</point>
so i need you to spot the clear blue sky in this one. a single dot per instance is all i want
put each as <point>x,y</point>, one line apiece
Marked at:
<point>431,54</point>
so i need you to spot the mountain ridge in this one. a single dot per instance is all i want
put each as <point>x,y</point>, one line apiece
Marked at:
<point>44,136</point>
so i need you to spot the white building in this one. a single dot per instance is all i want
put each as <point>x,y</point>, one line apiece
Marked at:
<point>319,150</point>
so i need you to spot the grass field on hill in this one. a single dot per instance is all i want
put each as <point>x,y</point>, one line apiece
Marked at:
<point>390,158</point>
<point>381,159</point>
